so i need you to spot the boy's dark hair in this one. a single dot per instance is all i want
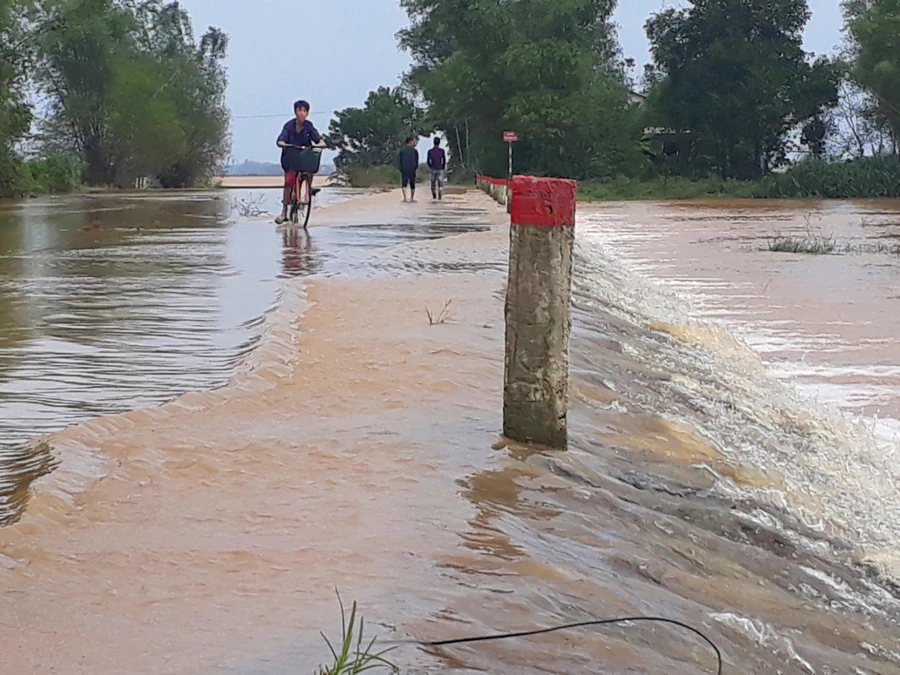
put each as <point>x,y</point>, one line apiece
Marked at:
<point>437,142</point>
<point>301,104</point>
<point>410,140</point>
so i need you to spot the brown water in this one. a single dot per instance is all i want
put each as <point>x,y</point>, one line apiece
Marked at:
<point>827,325</point>
<point>356,447</point>
<point>111,303</point>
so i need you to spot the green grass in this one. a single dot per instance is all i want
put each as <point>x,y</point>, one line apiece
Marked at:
<point>389,177</point>
<point>354,655</point>
<point>53,174</point>
<point>628,189</point>
<point>866,177</point>
<point>372,177</point>
<point>813,244</point>
<point>861,178</point>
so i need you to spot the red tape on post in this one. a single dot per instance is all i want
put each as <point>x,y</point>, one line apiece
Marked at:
<point>543,202</point>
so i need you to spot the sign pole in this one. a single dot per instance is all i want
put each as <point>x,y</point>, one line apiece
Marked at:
<point>510,137</point>
<point>509,177</point>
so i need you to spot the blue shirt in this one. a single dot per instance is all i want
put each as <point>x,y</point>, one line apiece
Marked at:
<point>307,135</point>
<point>408,160</point>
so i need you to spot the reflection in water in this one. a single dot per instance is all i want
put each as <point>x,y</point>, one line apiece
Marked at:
<point>297,258</point>
<point>114,303</point>
<point>117,303</point>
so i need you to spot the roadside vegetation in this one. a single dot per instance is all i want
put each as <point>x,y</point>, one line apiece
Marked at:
<point>798,126</point>
<point>714,114</point>
<point>106,68</point>
<point>354,654</point>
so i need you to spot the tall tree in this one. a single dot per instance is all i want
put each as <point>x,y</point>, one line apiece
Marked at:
<point>15,115</point>
<point>735,75</point>
<point>375,133</point>
<point>78,49</point>
<point>545,68</point>
<point>132,92</point>
<point>874,27</point>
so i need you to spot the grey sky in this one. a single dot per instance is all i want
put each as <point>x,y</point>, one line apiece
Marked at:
<point>351,49</point>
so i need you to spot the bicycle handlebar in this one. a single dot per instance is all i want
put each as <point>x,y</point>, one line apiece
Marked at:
<point>305,147</point>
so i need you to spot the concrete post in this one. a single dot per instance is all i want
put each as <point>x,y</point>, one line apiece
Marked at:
<point>538,312</point>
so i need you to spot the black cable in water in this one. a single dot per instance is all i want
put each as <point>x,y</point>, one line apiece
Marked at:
<point>582,624</point>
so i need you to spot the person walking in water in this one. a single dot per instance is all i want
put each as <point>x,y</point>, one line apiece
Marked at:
<point>437,162</point>
<point>409,164</point>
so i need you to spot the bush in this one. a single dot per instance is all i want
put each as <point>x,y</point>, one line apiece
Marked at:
<point>371,177</point>
<point>624,188</point>
<point>381,176</point>
<point>57,173</point>
<point>866,177</point>
<point>854,179</point>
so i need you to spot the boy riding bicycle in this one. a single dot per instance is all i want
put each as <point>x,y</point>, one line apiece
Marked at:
<point>298,133</point>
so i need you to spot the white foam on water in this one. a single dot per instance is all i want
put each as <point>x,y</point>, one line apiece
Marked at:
<point>763,635</point>
<point>841,470</point>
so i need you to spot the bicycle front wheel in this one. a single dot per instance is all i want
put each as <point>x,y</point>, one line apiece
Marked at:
<point>304,200</point>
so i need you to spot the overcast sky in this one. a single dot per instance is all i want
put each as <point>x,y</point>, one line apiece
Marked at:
<point>276,57</point>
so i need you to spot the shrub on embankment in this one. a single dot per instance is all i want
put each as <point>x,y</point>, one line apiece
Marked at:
<point>371,177</point>
<point>861,178</point>
<point>382,176</point>
<point>54,174</point>
<point>624,188</point>
<point>865,177</point>
<point>49,175</point>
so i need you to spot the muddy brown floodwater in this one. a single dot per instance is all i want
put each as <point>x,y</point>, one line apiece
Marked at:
<point>356,447</point>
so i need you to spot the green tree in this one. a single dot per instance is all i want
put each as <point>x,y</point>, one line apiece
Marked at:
<point>195,86</point>
<point>15,115</point>
<point>734,74</point>
<point>544,68</point>
<point>78,48</point>
<point>133,94</point>
<point>874,27</point>
<point>374,134</point>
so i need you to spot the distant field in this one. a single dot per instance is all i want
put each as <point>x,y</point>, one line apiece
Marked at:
<point>235,182</point>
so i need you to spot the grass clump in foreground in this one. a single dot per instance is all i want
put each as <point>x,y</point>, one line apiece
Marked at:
<point>441,317</point>
<point>354,655</point>
<point>810,245</point>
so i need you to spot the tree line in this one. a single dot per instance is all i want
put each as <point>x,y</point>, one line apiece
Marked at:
<point>106,92</point>
<point>730,93</point>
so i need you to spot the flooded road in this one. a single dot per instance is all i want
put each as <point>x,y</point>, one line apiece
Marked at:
<point>110,303</point>
<point>113,303</point>
<point>356,447</point>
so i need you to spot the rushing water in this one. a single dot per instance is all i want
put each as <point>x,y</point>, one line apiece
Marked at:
<point>825,324</point>
<point>699,484</point>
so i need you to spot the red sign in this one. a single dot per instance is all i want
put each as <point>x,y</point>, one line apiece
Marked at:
<point>510,136</point>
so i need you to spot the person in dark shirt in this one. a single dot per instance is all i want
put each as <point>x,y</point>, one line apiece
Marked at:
<point>437,162</point>
<point>298,132</point>
<point>409,164</point>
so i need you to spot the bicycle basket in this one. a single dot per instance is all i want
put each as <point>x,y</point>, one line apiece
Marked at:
<point>309,161</point>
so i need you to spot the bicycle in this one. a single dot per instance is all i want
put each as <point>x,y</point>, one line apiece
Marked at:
<point>308,161</point>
